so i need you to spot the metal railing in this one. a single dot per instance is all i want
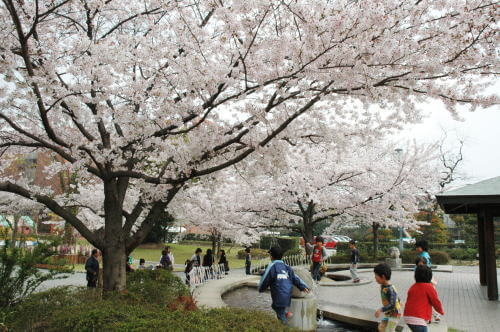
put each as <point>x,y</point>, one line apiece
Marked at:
<point>293,261</point>
<point>201,274</point>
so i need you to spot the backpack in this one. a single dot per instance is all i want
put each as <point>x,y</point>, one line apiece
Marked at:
<point>317,255</point>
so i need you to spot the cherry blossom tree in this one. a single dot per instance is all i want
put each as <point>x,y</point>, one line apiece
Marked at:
<point>365,183</point>
<point>140,97</point>
<point>211,206</point>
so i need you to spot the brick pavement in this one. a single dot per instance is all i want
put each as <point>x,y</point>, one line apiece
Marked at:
<point>464,300</point>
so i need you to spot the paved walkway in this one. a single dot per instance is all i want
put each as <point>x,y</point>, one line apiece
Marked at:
<point>464,300</point>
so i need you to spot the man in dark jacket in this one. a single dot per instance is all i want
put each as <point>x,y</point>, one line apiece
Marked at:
<point>280,278</point>
<point>92,268</point>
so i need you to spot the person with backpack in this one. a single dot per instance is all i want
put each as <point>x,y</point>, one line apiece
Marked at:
<point>280,278</point>
<point>318,256</point>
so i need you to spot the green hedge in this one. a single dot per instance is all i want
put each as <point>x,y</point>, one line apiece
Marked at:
<point>137,309</point>
<point>437,257</point>
<point>293,252</point>
<point>288,243</point>
<point>285,243</point>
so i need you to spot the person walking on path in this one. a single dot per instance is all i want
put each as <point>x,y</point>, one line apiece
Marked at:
<point>92,268</point>
<point>354,261</point>
<point>248,261</point>
<point>391,305</point>
<point>223,260</point>
<point>422,248</point>
<point>319,255</point>
<point>280,278</point>
<point>165,262</point>
<point>422,297</point>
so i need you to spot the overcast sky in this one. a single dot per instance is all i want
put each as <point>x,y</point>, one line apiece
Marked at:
<point>480,131</point>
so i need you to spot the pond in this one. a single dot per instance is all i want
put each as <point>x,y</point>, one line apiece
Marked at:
<point>250,298</point>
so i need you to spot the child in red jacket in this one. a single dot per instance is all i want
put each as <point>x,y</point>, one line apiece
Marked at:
<point>422,296</point>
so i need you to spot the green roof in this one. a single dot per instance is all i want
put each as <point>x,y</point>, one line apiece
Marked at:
<point>489,187</point>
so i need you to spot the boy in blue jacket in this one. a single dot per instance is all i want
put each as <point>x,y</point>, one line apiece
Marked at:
<point>280,278</point>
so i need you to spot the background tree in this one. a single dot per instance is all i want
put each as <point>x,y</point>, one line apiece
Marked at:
<point>140,98</point>
<point>350,185</point>
<point>160,231</point>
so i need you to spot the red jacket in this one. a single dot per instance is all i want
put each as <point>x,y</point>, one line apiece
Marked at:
<point>422,296</point>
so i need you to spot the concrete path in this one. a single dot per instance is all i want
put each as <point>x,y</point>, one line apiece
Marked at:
<point>464,300</point>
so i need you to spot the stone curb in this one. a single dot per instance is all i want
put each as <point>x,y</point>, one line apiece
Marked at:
<point>209,295</point>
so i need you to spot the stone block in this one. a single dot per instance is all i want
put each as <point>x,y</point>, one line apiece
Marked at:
<point>306,277</point>
<point>304,312</point>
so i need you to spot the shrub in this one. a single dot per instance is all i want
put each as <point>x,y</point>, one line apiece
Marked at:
<point>288,243</point>
<point>292,252</point>
<point>77,309</point>
<point>463,254</point>
<point>256,253</point>
<point>266,242</point>
<point>439,257</point>
<point>19,275</point>
<point>158,287</point>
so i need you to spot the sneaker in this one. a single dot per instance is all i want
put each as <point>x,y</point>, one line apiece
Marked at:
<point>356,280</point>
<point>288,315</point>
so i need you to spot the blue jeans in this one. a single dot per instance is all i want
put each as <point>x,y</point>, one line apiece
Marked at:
<point>281,314</point>
<point>417,328</point>
<point>247,268</point>
<point>315,271</point>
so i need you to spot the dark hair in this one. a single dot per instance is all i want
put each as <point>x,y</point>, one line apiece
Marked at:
<point>94,251</point>
<point>164,252</point>
<point>422,244</point>
<point>142,261</point>
<point>247,249</point>
<point>198,250</point>
<point>209,252</point>
<point>319,239</point>
<point>352,242</point>
<point>222,252</point>
<point>383,270</point>
<point>276,252</point>
<point>420,260</point>
<point>423,273</point>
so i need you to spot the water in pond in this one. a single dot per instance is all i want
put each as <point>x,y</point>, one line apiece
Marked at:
<point>249,298</point>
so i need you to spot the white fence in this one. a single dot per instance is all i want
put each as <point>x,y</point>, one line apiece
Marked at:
<point>201,274</point>
<point>294,260</point>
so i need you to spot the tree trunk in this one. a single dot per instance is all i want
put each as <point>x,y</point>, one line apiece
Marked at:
<point>219,245</point>
<point>214,243</point>
<point>14,230</point>
<point>375,228</point>
<point>114,248</point>
<point>308,233</point>
<point>69,237</point>
<point>114,259</point>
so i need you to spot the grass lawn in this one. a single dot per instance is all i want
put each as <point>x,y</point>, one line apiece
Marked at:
<point>182,252</point>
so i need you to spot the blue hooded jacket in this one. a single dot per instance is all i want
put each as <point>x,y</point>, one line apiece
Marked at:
<point>281,278</point>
